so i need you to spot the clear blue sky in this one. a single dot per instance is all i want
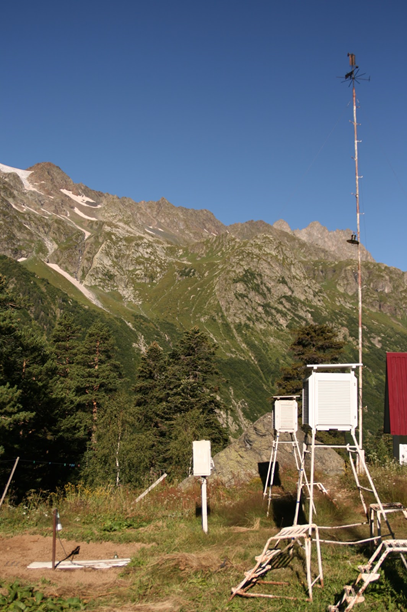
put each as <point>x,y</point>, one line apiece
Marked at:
<point>229,105</point>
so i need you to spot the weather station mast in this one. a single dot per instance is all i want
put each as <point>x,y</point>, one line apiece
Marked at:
<point>352,77</point>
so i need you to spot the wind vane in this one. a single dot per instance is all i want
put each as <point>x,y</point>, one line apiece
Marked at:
<point>354,74</point>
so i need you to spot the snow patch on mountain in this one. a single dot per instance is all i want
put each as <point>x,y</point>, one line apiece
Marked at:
<point>81,214</point>
<point>17,208</point>
<point>86,292</point>
<point>23,174</point>
<point>81,199</point>
<point>87,234</point>
<point>33,211</point>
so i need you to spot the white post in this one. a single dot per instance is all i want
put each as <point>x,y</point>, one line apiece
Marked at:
<point>311,485</point>
<point>54,536</point>
<point>202,464</point>
<point>204,506</point>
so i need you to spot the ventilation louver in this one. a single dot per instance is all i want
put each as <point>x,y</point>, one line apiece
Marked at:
<point>330,401</point>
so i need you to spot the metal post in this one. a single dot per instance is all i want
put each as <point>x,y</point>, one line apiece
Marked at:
<point>301,474</point>
<point>204,506</point>
<point>353,76</point>
<point>272,469</point>
<point>54,536</point>
<point>355,130</point>
<point>311,484</point>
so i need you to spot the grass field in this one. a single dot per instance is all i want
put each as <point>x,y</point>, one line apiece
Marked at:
<point>176,567</point>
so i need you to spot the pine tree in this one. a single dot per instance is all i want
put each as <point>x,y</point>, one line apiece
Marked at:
<point>28,408</point>
<point>151,427</point>
<point>192,404</point>
<point>65,344</point>
<point>12,412</point>
<point>312,344</point>
<point>97,376</point>
<point>97,379</point>
<point>177,402</point>
<point>65,347</point>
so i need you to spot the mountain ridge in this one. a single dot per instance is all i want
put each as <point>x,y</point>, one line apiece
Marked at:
<point>247,285</point>
<point>49,180</point>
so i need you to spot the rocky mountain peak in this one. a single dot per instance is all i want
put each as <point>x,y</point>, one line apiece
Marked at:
<point>48,177</point>
<point>59,195</point>
<point>335,241</point>
<point>283,226</point>
<point>319,236</point>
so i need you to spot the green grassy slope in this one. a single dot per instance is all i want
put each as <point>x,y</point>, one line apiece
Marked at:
<point>247,295</point>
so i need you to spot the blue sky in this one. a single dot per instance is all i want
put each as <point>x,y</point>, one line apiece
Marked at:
<point>229,105</point>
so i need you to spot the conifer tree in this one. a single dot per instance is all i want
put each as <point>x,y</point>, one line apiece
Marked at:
<point>193,404</point>
<point>151,427</point>
<point>28,408</point>
<point>65,347</point>
<point>177,402</point>
<point>312,344</point>
<point>12,412</point>
<point>97,376</point>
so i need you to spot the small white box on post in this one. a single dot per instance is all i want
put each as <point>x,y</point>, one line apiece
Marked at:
<point>285,414</point>
<point>202,463</point>
<point>201,451</point>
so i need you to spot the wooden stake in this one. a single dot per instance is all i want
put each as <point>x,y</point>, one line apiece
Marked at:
<point>151,487</point>
<point>9,481</point>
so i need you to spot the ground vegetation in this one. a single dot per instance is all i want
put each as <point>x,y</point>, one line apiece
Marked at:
<point>174,565</point>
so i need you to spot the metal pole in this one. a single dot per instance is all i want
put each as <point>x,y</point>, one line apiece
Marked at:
<point>204,506</point>
<point>54,537</point>
<point>311,485</point>
<point>355,130</point>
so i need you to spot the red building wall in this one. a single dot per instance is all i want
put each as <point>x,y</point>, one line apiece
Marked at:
<point>395,411</point>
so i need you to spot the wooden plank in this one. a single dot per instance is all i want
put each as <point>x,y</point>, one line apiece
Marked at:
<point>95,564</point>
<point>369,577</point>
<point>9,480</point>
<point>151,488</point>
<point>266,596</point>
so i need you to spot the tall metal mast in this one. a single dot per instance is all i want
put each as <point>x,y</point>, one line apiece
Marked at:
<point>353,77</point>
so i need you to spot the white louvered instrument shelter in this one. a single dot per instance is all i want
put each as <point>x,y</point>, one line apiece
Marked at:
<point>285,415</point>
<point>330,401</point>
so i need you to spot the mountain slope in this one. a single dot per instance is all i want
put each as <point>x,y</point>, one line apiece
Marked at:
<point>163,268</point>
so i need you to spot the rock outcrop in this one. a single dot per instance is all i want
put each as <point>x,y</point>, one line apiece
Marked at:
<point>247,457</point>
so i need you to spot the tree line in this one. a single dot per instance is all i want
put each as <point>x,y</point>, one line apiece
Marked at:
<point>68,411</point>
<point>65,403</point>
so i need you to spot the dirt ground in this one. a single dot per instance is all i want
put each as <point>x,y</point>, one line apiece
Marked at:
<point>18,552</point>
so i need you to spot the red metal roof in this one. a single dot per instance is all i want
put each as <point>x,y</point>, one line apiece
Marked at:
<point>395,411</point>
